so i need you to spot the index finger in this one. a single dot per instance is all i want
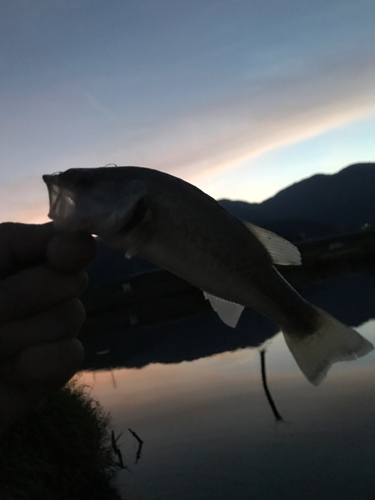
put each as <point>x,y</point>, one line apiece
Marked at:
<point>23,245</point>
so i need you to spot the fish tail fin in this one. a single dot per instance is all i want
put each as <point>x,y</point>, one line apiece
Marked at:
<point>331,342</point>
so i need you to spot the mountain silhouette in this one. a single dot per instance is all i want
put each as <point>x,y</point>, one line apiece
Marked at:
<point>318,206</point>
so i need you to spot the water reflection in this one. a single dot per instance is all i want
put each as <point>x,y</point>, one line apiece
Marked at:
<point>349,298</point>
<point>207,427</point>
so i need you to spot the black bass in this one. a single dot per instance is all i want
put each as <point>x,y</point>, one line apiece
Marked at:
<point>178,227</point>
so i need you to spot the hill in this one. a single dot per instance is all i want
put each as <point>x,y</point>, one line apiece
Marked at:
<point>319,206</point>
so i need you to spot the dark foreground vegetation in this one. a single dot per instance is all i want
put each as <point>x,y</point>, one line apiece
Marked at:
<point>61,452</point>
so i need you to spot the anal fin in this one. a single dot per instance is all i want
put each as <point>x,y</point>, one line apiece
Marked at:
<point>228,312</point>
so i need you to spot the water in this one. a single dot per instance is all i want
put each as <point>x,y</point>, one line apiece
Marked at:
<point>209,431</point>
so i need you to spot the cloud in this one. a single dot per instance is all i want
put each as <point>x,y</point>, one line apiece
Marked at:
<point>217,137</point>
<point>223,133</point>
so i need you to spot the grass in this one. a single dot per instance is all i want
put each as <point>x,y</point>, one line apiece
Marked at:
<point>62,451</point>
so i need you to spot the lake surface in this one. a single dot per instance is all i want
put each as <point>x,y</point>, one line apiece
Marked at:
<point>208,429</point>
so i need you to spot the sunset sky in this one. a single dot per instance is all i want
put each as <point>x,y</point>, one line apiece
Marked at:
<point>240,97</point>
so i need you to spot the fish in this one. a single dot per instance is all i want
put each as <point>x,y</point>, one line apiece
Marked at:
<point>176,226</point>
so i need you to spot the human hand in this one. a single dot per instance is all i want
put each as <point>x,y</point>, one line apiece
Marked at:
<point>42,275</point>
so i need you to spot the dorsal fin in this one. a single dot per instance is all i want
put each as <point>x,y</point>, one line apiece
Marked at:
<point>282,251</point>
<point>229,312</point>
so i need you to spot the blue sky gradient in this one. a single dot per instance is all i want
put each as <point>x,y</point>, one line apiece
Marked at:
<point>242,98</point>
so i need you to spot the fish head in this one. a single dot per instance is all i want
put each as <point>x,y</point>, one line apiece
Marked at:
<point>96,200</point>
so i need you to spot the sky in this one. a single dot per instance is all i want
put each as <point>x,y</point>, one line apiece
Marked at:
<point>239,97</point>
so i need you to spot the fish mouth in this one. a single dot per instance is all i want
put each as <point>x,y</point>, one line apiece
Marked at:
<point>61,201</point>
<point>102,207</point>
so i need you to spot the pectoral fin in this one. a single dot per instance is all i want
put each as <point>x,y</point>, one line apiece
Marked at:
<point>281,250</point>
<point>130,211</point>
<point>229,312</point>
